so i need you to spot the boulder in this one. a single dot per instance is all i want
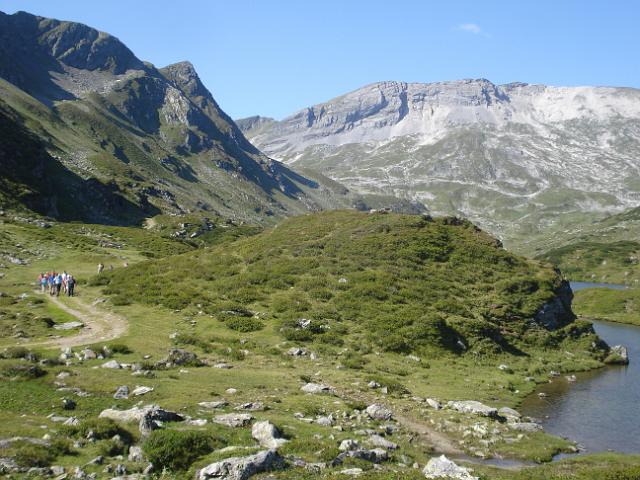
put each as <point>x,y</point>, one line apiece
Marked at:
<point>618,355</point>
<point>214,405</point>
<point>68,325</point>
<point>233,420</point>
<point>473,407</point>
<point>509,414</point>
<point>141,390</point>
<point>135,454</point>
<point>113,364</point>
<point>241,468</point>
<point>434,403</point>
<point>122,393</point>
<point>297,352</point>
<point>267,435</point>
<point>252,406</point>
<point>527,427</point>
<point>317,388</point>
<point>348,445</point>
<point>178,357</point>
<point>442,467</point>
<point>379,412</point>
<point>136,414</point>
<point>381,442</point>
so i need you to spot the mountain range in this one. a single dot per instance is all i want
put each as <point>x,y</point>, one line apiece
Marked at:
<point>93,133</point>
<point>513,158</point>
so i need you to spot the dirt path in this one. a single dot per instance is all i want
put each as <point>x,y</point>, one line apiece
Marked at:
<point>428,435</point>
<point>99,326</point>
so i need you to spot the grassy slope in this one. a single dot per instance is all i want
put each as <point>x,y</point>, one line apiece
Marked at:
<point>348,358</point>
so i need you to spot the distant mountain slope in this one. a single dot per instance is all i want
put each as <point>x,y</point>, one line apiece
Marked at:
<point>510,157</point>
<point>155,136</point>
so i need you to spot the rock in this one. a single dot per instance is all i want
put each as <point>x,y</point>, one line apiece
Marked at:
<point>377,455</point>
<point>373,384</point>
<point>381,442</point>
<point>509,413</point>
<point>267,435</point>
<point>571,378</point>
<point>214,405</point>
<point>122,393</point>
<point>317,388</point>
<point>179,357</point>
<point>342,280</point>
<point>554,374</point>
<point>113,364</point>
<point>141,390</point>
<point>297,352</point>
<point>442,467</point>
<point>135,454</point>
<point>348,445</point>
<point>557,312</point>
<point>241,468</point>
<point>434,403</point>
<point>68,325</point>
<point>197,422</point>
<point>618,355</point>
<point>148,424</point>
<point>505,368</point>
<point>354,472</point>
<point>88,354</point>
<point>325,421</point>
<point>72,421</point>
<point>379,412</point>
<point>542,395</point>
<point>223,366</point>
<point>231,391</point>
<point>136,414</point>
<point>528,427</point>
<point>473,407</point>
<point>63,375</point>
<point>68,404</point>
<point>233,420</point>
<point>252,406</point>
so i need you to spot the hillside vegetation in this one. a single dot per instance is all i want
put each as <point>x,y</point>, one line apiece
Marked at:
<point>404,283</point>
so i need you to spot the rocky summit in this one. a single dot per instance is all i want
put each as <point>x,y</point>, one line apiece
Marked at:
<point>510,157</point>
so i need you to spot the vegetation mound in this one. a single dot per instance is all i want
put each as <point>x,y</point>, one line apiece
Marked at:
<point>403,283</point>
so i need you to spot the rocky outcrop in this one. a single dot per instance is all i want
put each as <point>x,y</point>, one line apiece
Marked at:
<point>267,435</point>
<point>378,412</point>
<point>241,468</point>
<point>618,355</point>
<point>442,467</point>
<point>473,407</point>
<point>557,312</point>
<point>233,420</point>
<point>318,389</point>
<point>135,414</point>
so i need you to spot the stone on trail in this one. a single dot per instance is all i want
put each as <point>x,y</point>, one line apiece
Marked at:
<point>267,435</point>
<point>317,388</point>
<point>68,325</point>
<point>122,393</point>
<point>241,468</point>
<point>233,420</point>
<point>379,412</point>
<point>442,467</point>
<point>473,407</point>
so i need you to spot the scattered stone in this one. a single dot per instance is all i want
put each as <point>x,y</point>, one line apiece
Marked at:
<point>113,364</point>
<point>504,368</point>
<point>197,422</point>
<point>224,366</point>
<point>297,352</point>
<point>135,454</point>
<point>442,467</point>
<point>72,421</point>
<point>68,325</point>
<point>571,378</point>
<point>324,421</point>
<point>317,388</point>
<point>473,407</point>
<point>527,427</point>
<point>136,414</point>
<point>348,445</point>
<point>354,472</point>
<point>509,413</point>
<point>122,393</point>
<point>252,406</point>
<point>373,384</point>
<point>63,375</point>
<point>179,357</point>
<point>554,374</point>
<point>267,435</point>
<point>381,442</point>
<point>434,403</point>
<point>141,390</point>
<point>88,354</point>
<point>214,405</point>
<point>68,404</point>
<point>618,355</point>
<point>542,395</point>
<point>241,468</point>
<point>379,412</point>
<point>231,391</point>
<point>233,420</point>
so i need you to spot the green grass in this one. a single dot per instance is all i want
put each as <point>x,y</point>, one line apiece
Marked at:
<point>604,304</point>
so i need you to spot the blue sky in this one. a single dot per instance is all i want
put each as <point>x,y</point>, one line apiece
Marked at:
<point>275,57</point>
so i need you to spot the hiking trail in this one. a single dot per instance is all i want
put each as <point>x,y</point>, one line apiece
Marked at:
<point>99,325</point>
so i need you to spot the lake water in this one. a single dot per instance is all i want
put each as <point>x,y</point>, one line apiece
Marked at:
<point>601,410</point>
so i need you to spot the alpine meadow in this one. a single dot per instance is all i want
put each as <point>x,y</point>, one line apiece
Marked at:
<point>432,278</point>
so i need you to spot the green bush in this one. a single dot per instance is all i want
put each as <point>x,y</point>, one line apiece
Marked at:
<point>120,348</point>
<point>20,371</point>
<point>102,428</point>
<point>244,324</point>
<point>27,454</point>
<point>178,449</point>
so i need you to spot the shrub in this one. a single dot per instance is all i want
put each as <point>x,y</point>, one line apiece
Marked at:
<point>27,454</point>
<point>22,372</point>
<point>102,428</point>
<point>244,324</point>
<point>178,449</point>
<point>120,348</point>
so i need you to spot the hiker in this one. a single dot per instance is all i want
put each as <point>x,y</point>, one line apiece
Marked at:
<point>42,281</point>
<point>52,286</point>
<point>58,284</point>
<point>100,268</point>
<point>71,283</point>
<point>64,281</point>
<point>111,268</point>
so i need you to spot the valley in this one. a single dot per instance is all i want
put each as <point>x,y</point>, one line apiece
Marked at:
<point>399,283</point>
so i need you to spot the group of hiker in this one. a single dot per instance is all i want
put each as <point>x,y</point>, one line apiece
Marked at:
<point>55,282</point>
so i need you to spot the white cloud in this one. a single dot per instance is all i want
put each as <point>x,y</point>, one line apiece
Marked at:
<point>470,27</point>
